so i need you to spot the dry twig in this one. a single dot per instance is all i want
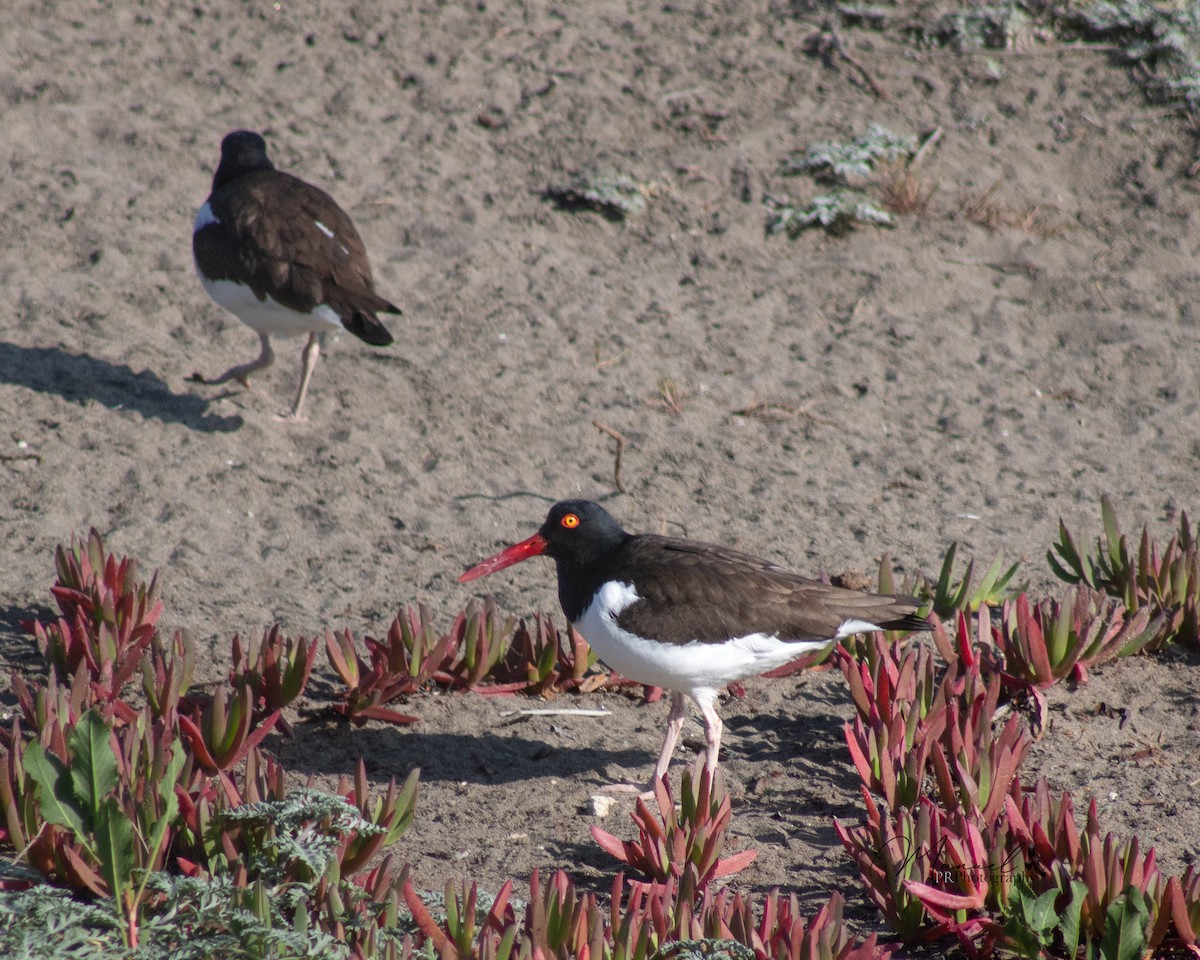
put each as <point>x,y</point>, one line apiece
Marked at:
<point>620,438</point>
<point>828,41</point>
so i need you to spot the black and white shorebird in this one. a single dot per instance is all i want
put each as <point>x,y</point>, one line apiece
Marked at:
<point>690,617</point>
<point>284,258</point>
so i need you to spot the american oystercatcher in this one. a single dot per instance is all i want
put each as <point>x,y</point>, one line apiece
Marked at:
<point>690,617</point>
<point>284,258</point>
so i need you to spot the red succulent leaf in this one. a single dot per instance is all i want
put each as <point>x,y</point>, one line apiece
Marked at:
<point>195,740</point>
<point>734,863</point>
<point>942,903</point>
<point>187,867</point>
<point>79,873</point>
<point>501,689</point>
<point>613,845</point>
<point>424,920</point>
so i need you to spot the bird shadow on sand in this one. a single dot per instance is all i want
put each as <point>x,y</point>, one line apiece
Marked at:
<point>79,377</point>
<point>483,758</point>
<point>18,650</point>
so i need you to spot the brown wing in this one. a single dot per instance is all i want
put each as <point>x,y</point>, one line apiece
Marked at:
<point>697,591</point>
<point>285,252</point>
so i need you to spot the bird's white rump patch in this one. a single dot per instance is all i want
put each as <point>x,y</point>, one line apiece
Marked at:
<point>850,627</point>
<point>269,316</point>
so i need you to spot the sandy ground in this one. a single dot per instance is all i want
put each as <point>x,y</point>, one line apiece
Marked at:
<point>1021,345</point>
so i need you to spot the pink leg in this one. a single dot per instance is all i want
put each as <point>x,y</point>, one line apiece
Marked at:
<point>241,373</point>
<point>675,721</point>
<point>706,701</point>
<point>308,359</point>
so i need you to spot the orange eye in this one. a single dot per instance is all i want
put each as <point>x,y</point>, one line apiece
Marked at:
<point>570,521</point>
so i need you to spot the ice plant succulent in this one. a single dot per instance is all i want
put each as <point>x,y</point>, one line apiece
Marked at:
<point>369,687</point>
<point>107,619</point>
<point>1052,640</point>
<point>1166,579</point>
<point>950,596</point>
<point>695,835</point>
<point>481,636</point>
<point>275,668</point>
<point>226,730</point>
<point>898,723</point>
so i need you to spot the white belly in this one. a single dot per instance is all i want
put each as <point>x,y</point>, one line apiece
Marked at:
<point>268,316</point>
<point>685,667</point>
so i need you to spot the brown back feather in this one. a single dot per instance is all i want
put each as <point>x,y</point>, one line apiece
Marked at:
<point>698,591</point>
<point>282,250</point>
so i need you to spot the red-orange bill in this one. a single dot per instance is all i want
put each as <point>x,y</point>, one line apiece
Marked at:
<point>506,558</point>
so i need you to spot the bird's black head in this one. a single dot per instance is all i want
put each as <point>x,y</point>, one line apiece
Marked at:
<point>242,152</point>
<point>577,533</point>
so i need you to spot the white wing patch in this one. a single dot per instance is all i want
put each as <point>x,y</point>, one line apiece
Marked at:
<point>688,667</point>
<point>332,236</point>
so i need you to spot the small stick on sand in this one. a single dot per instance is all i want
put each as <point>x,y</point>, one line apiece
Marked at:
<point>619,437</point>
<point>828,40</point>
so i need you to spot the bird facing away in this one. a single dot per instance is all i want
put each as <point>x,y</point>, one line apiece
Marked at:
<point>284,258</point>
<point>690,617</point>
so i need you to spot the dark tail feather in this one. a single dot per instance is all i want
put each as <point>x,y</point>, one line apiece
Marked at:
<point>910,621</point>
<point>366,326</point>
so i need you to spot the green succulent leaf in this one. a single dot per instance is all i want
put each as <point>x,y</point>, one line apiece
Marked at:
<point>1125,925</point>
<point>56,799</point>
<point>94,767</point>
<point>115,845</point>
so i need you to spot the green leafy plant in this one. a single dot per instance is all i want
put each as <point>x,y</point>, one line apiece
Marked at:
<point>82,795</point>
<point>1036,923</point>
<point>1163,40</point>
<point>614,195</point>
<point>837,213</point>
<point>992,28</point>
<point>839,162</point>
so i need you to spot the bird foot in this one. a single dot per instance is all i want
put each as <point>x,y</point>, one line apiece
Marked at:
<point>643,791</point>
<point>292,416</point>
<point>234,374</point>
